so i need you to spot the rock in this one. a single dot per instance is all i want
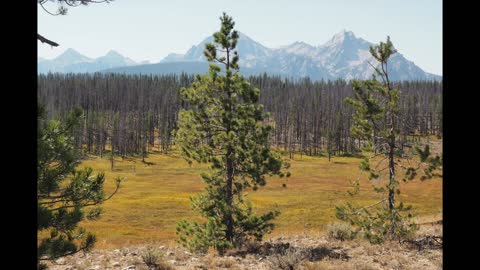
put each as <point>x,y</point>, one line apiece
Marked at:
<point>60,261</point>
<point>116,264</point>
<point>130,267</point>
<point>162,247</point>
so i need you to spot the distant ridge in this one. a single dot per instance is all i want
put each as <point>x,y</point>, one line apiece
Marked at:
<point>73,61</point>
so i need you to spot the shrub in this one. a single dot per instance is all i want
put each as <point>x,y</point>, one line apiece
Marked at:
<point>154,260</point>
<point>289,260</point>
<point>341,231</point>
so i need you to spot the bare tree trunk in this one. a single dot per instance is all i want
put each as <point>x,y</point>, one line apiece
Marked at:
<point>229,196</point>
<point>391,153</point>
<point>230,165</point>
<point>391,189</point>
<point>112,160</point>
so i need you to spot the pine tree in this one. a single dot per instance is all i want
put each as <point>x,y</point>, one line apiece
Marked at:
<point>63,191</point>
<point>377,110</point>
<point>225,128</point>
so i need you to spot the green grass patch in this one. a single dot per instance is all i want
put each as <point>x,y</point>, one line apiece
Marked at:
<point>155,197</point>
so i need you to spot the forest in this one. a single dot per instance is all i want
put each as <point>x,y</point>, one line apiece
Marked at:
<point>134,114</point>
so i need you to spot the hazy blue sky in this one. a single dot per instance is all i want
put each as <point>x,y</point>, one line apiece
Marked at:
<point>151,29</point>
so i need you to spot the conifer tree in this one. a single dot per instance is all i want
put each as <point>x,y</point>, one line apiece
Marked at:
<point>377,122</point>
<point>63,191</point>
<point>225,127</point>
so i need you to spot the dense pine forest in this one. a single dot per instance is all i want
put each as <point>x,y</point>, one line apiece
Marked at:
<point>135,114</point>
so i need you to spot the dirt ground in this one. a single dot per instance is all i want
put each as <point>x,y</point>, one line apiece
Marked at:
<point>301,252</point>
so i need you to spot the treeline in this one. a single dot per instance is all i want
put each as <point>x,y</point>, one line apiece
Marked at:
<point>133,114</point>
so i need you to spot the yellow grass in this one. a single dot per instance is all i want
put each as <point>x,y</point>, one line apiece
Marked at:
<point>155,197</point>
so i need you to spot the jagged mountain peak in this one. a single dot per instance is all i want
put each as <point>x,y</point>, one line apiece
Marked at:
<point>115,59</point>
<point>173,57</point>
<point>71,55</point>
<point>70,51</point>
<point>343,37</point>
<point>300,48</point>
<point>298,44</point>
<point>247,48</point>
<point>113,53</point>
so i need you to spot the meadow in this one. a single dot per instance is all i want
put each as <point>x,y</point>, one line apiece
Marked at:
<point>155,196</point>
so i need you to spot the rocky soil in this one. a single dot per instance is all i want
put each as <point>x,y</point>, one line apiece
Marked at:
<point>299,252</point>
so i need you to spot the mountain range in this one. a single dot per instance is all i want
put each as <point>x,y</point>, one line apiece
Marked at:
<point>343,56</point>
<point>75,62</point>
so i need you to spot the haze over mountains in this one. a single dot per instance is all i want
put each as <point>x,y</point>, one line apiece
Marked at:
<point>343,56</point>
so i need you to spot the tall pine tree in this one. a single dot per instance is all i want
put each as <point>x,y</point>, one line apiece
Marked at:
<point>378,123</point>
<point>225,127</point>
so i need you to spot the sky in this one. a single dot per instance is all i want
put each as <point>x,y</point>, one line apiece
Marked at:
<point>151,29</point>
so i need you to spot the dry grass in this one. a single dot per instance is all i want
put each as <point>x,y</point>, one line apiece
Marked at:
<point>155,197</point>
<point>327,265</point>
<point>222,263</point>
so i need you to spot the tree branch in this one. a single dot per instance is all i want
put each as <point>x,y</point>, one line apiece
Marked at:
<point>44,40</point>
<point>84,248</point>
<point>366,207</point>
<point>46,10</point>
<point>87,204</point>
